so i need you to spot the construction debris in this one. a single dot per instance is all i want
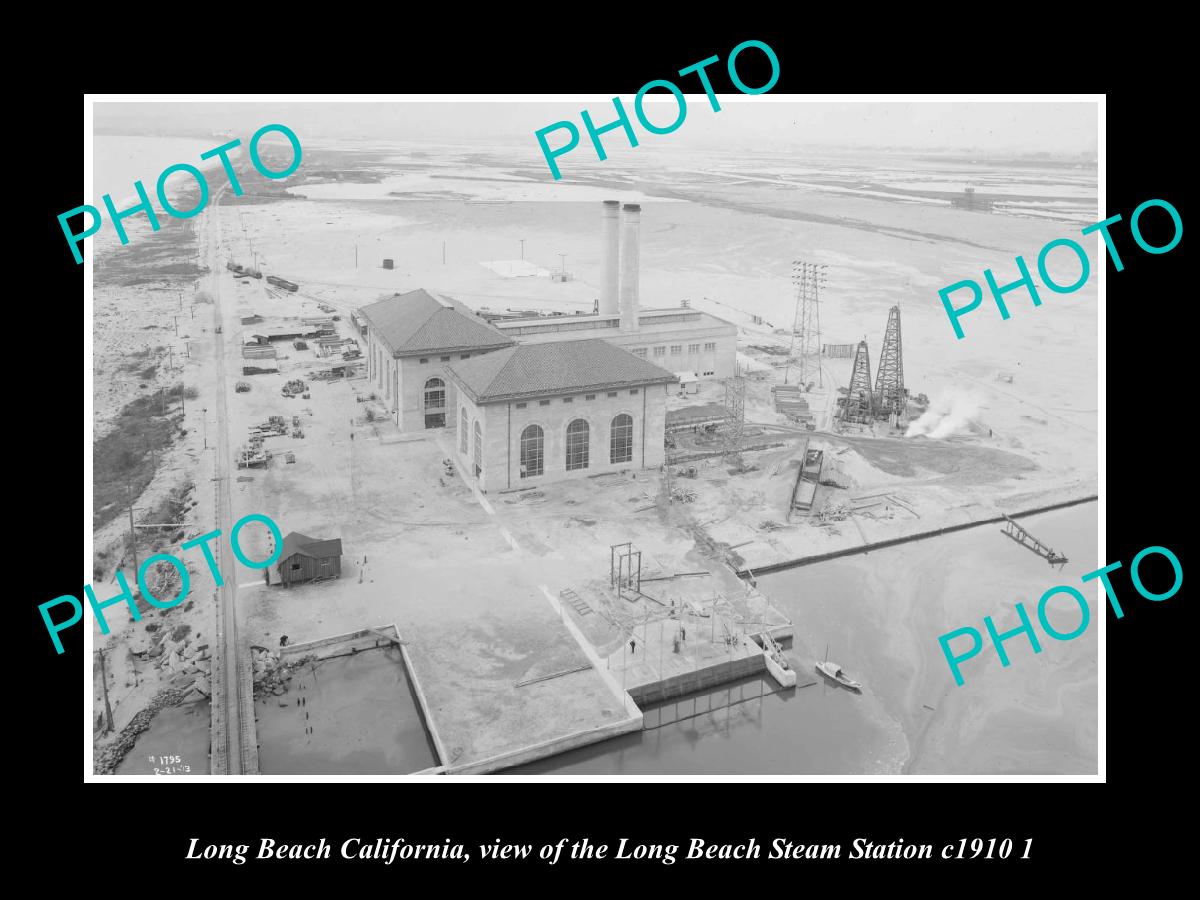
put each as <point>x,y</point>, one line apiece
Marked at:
<point>253,457</point>
<point>833,512</point>
<point>242,387</point>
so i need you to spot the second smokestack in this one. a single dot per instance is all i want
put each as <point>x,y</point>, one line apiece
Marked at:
<point>610,264</point>
<point>630,257</point>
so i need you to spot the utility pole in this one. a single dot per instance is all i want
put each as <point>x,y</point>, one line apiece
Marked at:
<point>171,351</point>
<point>443,253</point>
<point>356,256</point>
<point>132,534</point>
<point>205,421</point>
<point>522,249</point>
<point>176,318</point>
<point>562,262</point>
<point>104,681</point>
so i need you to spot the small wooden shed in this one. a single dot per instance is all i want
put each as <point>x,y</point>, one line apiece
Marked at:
<point>306,559</point>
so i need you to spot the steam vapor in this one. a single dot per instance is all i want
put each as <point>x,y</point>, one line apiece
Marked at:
<point>950,412</point>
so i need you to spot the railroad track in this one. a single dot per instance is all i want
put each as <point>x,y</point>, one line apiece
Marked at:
<point>234,735</point>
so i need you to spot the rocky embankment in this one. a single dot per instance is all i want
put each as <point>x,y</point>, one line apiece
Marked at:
<point>182,659</point>
<point>111,756</point>
<point>271,676</point>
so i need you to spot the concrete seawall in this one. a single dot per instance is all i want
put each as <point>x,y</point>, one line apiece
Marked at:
<point>549,748</point>
<point>369,639</point>
<point>751,574</point>
<point>698,680</point>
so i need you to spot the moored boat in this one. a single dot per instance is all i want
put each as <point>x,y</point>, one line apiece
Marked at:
<point>834,672</point>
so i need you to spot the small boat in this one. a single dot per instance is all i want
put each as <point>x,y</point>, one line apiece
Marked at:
<point>833,671</point>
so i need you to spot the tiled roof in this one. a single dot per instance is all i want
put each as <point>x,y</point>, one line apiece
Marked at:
<point>559,367</point>
<point>296,542</point>
<point>422,322</point>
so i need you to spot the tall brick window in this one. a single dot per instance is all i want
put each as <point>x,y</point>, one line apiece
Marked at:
<point>435,393</point>
<point>478,449</point>
<point>577,445</point>
<point>532,442</point>
<point>621,443</point>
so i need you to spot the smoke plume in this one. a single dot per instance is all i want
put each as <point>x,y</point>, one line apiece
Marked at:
<point>951,411</point>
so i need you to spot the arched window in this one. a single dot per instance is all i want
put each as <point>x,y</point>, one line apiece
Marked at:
<point>435,403</point>
<point>464,432</point>
<point>577,445</point>
<point>478,449</point>
<point>532,442</point>
<point>435,394</point>
<point>621,443</point>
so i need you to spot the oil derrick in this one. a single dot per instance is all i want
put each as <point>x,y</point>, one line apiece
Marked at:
<point>889,378</point>
<point>806,326</point>
<point>735,419</point>
<point>859,405</point>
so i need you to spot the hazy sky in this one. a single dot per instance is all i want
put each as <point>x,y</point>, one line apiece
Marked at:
<point>743,122</point>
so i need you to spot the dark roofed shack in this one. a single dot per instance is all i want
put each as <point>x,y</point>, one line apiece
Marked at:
<point>306,559</point>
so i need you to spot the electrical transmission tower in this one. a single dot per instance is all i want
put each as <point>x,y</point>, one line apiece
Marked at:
<point>808,278</point>
<point>889,378</point>
<point>859,405</point>
<point>735,419</point>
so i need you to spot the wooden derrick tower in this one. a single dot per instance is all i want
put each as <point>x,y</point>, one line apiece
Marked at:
<point>859,405</point>
<point>889,378</point>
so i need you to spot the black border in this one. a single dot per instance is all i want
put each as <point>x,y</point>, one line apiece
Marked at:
<point>1149,404</point>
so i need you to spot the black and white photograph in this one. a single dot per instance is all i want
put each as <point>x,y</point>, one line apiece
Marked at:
<point>531,436</point>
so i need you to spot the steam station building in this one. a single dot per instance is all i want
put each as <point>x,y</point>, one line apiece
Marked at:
<point>546,398</point>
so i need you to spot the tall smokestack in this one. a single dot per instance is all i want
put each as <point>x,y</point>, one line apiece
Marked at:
<point>610,259</point>
<point>630,255</point>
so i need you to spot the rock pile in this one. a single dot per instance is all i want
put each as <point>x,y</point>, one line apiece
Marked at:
<point>186,663</point>
<point>112,755</point>
<point>271,677</point>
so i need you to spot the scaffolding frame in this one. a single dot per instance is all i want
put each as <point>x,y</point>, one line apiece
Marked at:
<point>1021,535</point>
<point>735,419</point>
<point>622,571</point>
